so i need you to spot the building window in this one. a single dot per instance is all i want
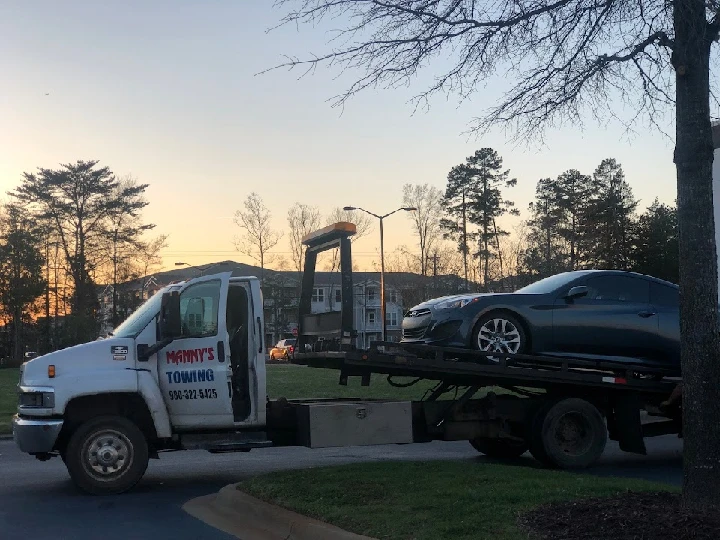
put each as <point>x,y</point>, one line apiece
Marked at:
<point>338,296</point>
<point>393,297</point>
<point>371,294</point>
<point>371,317</point>
<point>318,295</point>
<point>392,318</point>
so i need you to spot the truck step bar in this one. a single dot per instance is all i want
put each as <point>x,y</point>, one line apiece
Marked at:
<point>224,442</point>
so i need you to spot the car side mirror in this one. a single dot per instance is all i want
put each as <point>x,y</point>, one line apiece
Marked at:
<point>577,292</point>
<point>169,323</point>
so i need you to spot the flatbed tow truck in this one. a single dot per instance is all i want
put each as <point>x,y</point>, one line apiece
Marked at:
<point>187,371</point>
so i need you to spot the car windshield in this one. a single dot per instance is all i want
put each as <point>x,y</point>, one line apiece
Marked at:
<point>140,318</point>
<point>549,284</point>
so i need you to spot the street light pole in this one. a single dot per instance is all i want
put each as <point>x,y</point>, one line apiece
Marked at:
<point>383,306</point>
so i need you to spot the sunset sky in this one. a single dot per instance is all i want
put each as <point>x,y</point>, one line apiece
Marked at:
<point>167,91</point>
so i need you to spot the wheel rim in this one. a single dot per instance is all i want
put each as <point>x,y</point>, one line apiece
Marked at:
<point>107,455</point>
<point>573,434</point>
<point>499,335</point>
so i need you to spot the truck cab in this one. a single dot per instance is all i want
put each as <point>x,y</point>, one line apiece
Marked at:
<point>188,364</point>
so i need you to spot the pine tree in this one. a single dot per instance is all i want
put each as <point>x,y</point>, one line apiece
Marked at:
<point>608,224</point>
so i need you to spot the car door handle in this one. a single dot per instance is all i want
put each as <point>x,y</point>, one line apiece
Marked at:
<point>221,351</point>
<point>646,314</point>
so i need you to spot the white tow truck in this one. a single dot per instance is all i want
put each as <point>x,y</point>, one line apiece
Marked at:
<point>187,371</point>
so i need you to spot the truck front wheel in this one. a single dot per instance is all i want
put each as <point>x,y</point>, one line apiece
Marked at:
<point>107,455</point>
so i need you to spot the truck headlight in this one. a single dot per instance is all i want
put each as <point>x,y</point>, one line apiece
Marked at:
<point>36,398</point>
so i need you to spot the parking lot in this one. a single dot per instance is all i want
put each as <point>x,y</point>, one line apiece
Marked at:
<point>38,501</point>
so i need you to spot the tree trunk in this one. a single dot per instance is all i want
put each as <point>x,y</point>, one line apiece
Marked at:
<point>465,245</point>
<point>17,331</point>
<point>699,338</point>
<point>572,245</point>
<point>114,290</point>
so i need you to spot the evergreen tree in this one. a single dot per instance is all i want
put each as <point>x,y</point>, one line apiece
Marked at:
<point>609,218</point>
<point>656,242</point>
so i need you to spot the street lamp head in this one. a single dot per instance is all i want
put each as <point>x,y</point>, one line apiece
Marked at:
<point>349,208</point>
<point>409,208</point>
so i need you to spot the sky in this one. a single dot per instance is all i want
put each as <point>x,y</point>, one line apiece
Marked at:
<point>169,92</point>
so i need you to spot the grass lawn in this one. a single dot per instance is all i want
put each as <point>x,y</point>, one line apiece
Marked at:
<point>457,500</point>
<point>8,397</point>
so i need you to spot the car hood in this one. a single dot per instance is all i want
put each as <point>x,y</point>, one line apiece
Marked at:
<point>429,304</point>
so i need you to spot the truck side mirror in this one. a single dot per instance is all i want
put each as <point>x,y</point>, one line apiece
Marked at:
<point>577,292</point>
<point>169,323</point>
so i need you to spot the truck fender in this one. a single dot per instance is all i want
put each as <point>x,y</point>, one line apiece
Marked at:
<point>150,392</point>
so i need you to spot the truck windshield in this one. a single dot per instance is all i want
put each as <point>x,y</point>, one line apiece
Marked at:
<point>140,318</point>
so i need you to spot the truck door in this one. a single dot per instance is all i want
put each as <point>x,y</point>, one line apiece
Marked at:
<point>247,353</point>
<point>194,370</point>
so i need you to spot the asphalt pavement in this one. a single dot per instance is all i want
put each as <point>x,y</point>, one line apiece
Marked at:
<point>38,501</point>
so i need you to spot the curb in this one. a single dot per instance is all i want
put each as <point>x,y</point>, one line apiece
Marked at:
<point>8,437</point>
<point>240,515</point>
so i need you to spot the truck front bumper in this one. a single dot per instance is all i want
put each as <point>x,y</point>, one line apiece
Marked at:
<point>36,436</point>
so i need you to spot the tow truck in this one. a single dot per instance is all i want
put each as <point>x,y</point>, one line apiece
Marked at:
<point>187,371</point>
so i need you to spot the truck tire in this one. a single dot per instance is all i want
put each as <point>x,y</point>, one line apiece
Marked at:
<point>572,434</point>
<point>499,448</point>
<point>107,455</point>
<point>535,438</point>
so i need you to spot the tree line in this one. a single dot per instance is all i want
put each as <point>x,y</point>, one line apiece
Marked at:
<point>66,236</point>
<point>575,221</point>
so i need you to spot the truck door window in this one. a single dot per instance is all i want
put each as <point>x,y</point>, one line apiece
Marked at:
<point>199,309</point>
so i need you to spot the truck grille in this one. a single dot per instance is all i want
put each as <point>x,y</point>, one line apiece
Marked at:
<point>414,333</point>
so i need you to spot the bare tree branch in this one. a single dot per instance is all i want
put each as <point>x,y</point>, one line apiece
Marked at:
<point>568,56</point>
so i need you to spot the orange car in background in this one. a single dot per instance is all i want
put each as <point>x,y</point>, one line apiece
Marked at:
<point>283,350</point>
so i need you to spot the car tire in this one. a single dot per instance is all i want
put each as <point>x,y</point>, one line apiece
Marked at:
<point>502,325</point>
<point>499,448</point>
<point>107,455</point>
<point>572,434</point>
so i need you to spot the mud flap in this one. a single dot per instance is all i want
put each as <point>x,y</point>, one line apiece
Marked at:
<point>627,428</point>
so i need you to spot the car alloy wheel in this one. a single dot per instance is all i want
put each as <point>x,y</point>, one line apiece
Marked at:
<point>499,335</point>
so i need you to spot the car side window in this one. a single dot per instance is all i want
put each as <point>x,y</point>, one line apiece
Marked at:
<point>618,289</point>
<point>199,305</point>
<point>664,296</point>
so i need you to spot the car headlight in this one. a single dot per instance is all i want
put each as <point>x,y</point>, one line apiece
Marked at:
<point>455,303</point>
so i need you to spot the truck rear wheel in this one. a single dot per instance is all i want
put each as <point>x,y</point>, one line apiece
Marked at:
<point>535,439</point>
<point>499,448</point>
<point>570,435</point>
<point>107,455</point>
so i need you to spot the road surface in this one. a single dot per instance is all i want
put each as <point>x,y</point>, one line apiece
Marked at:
<point>38,501</point>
